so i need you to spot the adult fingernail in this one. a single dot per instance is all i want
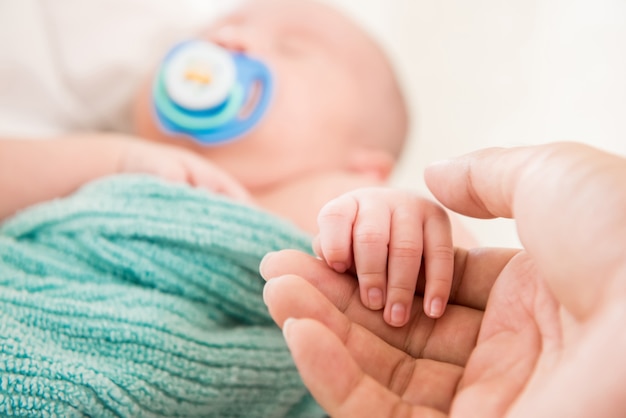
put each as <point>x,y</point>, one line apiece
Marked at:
<point>266,290</point>
<point>375,298</point>
<point>436,308</point>
<point>286,325</point>
<point>263,263</point>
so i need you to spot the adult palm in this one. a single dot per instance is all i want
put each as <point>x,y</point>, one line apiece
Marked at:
<point>507,345</point>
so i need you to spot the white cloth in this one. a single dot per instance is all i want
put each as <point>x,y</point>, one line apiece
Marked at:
<point>74,65</point>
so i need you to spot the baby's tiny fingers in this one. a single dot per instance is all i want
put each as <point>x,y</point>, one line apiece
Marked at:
<point>370,237</point>
<point>405,256</point>
<point>439,263</point>
<point>204,175</point>
<point>335,222</point>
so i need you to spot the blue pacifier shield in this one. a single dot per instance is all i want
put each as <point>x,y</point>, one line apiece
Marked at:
<point>210,93</point>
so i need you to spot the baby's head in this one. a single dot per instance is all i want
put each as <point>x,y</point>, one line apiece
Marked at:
<point>336,103</point>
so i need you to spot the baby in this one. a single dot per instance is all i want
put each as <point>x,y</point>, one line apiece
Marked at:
<point>336,122</point>
<point>337,119</point>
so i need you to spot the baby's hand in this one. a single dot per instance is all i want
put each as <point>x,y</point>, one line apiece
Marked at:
<point>382,234</point>
<point>181,166</point>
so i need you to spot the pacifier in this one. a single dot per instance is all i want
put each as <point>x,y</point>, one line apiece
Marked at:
<point>210,93</point>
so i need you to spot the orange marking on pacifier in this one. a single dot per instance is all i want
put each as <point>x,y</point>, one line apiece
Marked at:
<point>199,76</point>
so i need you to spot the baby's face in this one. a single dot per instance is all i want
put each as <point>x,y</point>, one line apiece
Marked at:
<point>313,53</point>
<point>308,124</point>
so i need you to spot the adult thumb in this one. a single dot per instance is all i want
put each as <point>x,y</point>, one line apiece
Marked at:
<point>568,201</point>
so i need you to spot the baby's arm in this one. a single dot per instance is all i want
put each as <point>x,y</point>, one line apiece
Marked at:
<point>383,233</point>
<point>33,171</point>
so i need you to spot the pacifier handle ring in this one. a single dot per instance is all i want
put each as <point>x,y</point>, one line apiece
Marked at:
<point>252,71</point>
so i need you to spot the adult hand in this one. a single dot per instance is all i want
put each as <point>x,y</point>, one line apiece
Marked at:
<point>535,333</point>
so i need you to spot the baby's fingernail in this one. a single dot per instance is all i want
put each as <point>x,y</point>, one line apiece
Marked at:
<point>398,314</point>
<point>436,308</point>
<point>375,298</point>
<point>339,267</point>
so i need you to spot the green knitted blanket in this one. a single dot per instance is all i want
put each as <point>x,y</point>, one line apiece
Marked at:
<point>139,298</point>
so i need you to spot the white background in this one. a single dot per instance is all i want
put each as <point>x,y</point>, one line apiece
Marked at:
<point>502,73</point>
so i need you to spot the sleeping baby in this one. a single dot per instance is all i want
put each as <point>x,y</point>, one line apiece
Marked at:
<point>285,105</point>
<point>329,117</point>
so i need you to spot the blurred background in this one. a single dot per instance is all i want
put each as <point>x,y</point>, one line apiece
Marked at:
<point>503,73</point>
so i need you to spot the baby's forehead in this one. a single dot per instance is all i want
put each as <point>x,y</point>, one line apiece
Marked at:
<point>284,10</point>
<point>294,17</point>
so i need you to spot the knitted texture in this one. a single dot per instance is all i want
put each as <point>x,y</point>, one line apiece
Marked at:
<point>139,298</point>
